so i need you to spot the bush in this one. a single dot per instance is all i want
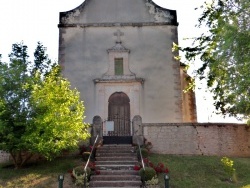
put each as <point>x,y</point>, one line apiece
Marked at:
<point>148,174</point>
<point>85,156</point>
<point>153,181</point>
<point>79,170</point>
<point>144,153</point>
<point>79,175</point>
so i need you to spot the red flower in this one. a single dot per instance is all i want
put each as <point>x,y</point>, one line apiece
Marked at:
<point>158,170</point>
<point>161,165</point>
<point>151,164</point>
<point>145,160</point>
<point>166,171</point>
<point>91,165</point>
<point>137,168</point>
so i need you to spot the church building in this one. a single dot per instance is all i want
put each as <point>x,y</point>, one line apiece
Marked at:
<point>118,54</point>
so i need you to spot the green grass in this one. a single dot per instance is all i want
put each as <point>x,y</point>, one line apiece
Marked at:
<point>185,172</point>
<point>36,175</point>
<point>202,171</point>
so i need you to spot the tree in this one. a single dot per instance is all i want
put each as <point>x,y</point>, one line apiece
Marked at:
<point>14,96</point>
<point>42,63</point>
<point>225,55</point>
<point>39,113</point>
<point>57,116</point>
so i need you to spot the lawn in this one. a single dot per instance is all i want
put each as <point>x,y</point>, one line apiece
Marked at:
<point>39,175</point>
<point>202,171</point>
<point>185,172</point>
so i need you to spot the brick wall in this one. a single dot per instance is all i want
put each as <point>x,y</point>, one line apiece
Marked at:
<point>199,138</point>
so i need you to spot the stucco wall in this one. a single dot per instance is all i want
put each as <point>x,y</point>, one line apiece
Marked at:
<point>87,32</point>
<point>85,58</point>
<point>199,139</point>
<point>118,11</point>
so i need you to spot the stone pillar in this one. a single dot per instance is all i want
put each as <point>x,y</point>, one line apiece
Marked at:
<point>96,129</point>
<point>137,130</point>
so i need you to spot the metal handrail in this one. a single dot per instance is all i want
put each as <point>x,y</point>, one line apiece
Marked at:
<point>143,165</point>
<point>86,165</point>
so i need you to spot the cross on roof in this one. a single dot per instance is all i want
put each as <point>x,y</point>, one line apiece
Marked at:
<point>118,33</point>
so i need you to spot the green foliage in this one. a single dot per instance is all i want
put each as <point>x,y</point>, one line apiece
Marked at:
<point>85,156</point>
<point>153,181</point>
<point>247,186</point>
<point>225,54</point>
<point>57,118</point>
<point>144,153</point>
<point>147,174</point>
<point>42,63</point>
<point>80,175</point>
<point>14,102</point>
<point>39,113</point>
<point>248,122</point>
<point>229,169</point>
<point>201,171</point>
<point>186,172</point>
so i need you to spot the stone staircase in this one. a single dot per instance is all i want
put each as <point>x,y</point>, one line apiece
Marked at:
<point>116,166</point>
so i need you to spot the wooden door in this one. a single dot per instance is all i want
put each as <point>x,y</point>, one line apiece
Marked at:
<point>119,112</point>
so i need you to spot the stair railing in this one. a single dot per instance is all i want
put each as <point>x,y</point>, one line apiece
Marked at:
<point>143,165</point>
<point>86,165</point>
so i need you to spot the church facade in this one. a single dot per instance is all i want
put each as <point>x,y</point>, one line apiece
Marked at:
<point>118,54</point>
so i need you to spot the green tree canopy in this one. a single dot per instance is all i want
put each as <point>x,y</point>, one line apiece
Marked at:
<point>225,54</point>
<point>39,113</point>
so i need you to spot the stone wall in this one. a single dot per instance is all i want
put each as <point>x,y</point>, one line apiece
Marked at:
<point>199,138</point>
<point>4,157</point>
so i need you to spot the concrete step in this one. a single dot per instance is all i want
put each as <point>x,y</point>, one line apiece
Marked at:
<point>114,183</point>
<point>117,145</point>
<point>117,158</point>
<point>115,178</point>
<point>115,151</point>
<point>114,167</point>
<point>118,172</point>
<point>99,163</point>
<point>114,154</point>
<point>118,148</point>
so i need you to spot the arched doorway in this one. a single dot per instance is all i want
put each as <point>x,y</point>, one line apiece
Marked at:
<point>119,113</point>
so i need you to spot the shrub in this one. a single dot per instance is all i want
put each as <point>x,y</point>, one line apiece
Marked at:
<point>153,181</point>
<point>144,153</point>
<point>79,175</point>
<point>148,174</point>
<point>229,169</point>
<point>85,156</point>
<point>83,148</point>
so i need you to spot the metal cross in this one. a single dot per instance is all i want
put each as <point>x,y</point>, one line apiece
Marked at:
<point>118,33</point>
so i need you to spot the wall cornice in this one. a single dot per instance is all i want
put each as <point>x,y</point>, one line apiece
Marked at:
<point>116,24</point>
